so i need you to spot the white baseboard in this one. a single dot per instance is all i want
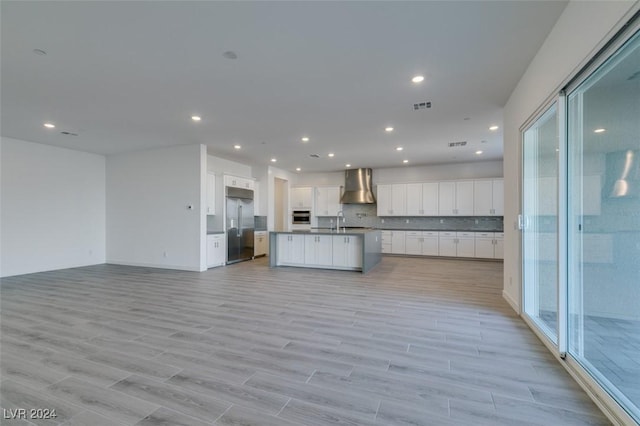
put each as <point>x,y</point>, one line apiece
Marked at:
<point>514,305</point>
<point>153,265</point>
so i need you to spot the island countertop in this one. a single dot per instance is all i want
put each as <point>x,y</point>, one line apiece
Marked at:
<point>359,250</point>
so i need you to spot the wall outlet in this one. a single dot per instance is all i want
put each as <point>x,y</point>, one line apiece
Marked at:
<point>477,221</point>
<point>381,220</point>
<point>407,221</point>
<point>164,254</point>
<point>441,220</point>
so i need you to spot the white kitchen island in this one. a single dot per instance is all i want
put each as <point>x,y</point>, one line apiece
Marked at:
<point>349,249</point>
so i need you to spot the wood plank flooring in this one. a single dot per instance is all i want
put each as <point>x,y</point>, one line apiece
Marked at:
<point>414,342</point>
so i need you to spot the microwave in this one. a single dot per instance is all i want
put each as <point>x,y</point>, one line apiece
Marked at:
<point>301,217</point>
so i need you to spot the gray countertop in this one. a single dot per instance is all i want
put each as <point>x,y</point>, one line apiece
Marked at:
<point>327,231</point>
<point>214,232</point>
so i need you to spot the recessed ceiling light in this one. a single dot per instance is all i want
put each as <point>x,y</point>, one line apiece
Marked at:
<point>600,130</point>
<point>388,129</point>
<point>196,118</point>
<point>305,139</point>
<point>298,169</point>
<point>478,152</point>
<point>347,165</point>
<point>273,160</point>
<point>418,79</point>
<point>405,161</point>
<point>331,154</point>
<point>399,148</point>
<point>237,146</point>
<point>49,125</point>
<point>494,128</point>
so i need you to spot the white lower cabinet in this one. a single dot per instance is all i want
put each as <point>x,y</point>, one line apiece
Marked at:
<point>398,242</point>
<point>216,250</point>
<point>318,250</point>
<point>456,244</point>
<point>347,251</point>
<point>260,243</point>
<point>490,245</point>
<point>291,249</point>
<point>385,236</point>
<point>424,243</point>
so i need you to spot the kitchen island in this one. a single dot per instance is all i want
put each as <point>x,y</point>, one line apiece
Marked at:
<point>345,249</point>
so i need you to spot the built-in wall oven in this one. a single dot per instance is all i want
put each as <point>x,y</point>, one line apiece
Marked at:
<point>300,220</point>
<point>301,217</point>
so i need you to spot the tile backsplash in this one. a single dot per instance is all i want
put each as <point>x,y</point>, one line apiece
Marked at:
<point>366,215</point>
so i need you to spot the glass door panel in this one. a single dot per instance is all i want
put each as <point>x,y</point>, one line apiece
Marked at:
<point>604,225</point>
<point>540,214</point>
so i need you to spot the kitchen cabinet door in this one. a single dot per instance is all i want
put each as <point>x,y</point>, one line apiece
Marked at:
<point>447,244</point>
<point>465,244</point>
<point>413,243</point>
<point>211,193</point>
<point>399,199</point>
<point>414,200</point>
<point>446,198</point>
<point>290,249</point>
<point>483,197</point>
<point>301,198</point>
<point>464,198</point>
<point>318,250</point>
<point>498,248</point>
<point>216,250</point>
<point>485,247</point>
<point>384,200</point>
<point>347,251</point>
<point>498,197</point>
<point>261,242</point>
<point>430,244</point>
<point>398,242</point>
<point>429,199</point>
<point>327,201</point>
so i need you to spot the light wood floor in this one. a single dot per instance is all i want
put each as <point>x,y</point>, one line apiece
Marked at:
<point>414,342</point>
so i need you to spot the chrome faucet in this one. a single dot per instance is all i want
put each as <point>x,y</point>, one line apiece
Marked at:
<point>340,213</point>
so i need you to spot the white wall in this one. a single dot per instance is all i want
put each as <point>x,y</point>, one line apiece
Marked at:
<point>222,166</point>
<point>148,219</point>
<point>52,208</point>
<point>579,33</point>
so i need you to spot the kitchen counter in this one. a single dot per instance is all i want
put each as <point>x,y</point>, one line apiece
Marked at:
<point>345,249</point>
<point>214,232</point>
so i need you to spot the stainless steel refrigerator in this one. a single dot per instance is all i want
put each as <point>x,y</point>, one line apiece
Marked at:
<point>240,224</point>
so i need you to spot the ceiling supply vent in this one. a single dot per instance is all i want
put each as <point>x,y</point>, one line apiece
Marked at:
<point>314,156</point>
<point>422,105</point>
<point>455,144</point>
<point>357,187</point>
<point>69,134</point>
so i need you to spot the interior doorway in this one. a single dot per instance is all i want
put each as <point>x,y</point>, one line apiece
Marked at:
<point>281,202</point>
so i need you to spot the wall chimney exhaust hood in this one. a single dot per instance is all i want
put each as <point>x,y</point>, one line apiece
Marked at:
<point>357,187</point>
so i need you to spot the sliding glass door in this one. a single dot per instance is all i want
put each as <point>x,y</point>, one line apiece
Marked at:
<point>539,222</point>
<point>604,225</point>
<point>581,225</point>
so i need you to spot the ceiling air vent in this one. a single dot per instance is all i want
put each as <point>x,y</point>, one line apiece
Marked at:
<point>69,134</point>
<point>455,144</point>
<point>422,105</point>
<point>314,156</point>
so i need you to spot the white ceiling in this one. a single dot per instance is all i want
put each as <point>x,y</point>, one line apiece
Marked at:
<point>128,76</point>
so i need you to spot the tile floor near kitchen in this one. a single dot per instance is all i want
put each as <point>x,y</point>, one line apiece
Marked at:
<point>416,341</point>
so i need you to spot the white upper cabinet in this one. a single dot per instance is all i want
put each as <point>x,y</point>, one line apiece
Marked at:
<point>301,198</point>
<point>422,199</point>
<point>455,198</point>
<point>488,197</point>
<point>327,201</point>
<point>392,199</point>
<point>239,182</point>
<point>211,193</point>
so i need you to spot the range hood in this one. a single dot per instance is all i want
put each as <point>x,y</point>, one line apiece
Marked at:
<point>357,187</point>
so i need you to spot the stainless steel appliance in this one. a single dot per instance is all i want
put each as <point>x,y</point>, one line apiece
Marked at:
<point>240,224</point>
<point>301,217</point>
